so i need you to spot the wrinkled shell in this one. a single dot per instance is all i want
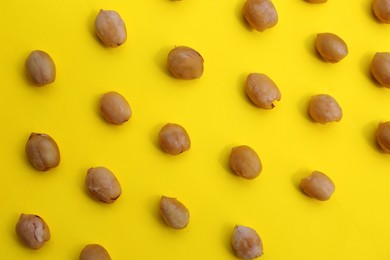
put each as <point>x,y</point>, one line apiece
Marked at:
<point>185,63</point>
<point>331,47</point>
<point>246,242</point>
<point>103,185</point>
<point>316,1</point>
<point>40,68</point>
<point>174,139</point>
<point>318,186</point>
<point>383,136</point>
<point>261,90</point>
<point>110,28</point>
<point>260,14</point>
<point>381,9</point>
<point>115,108</point>
<point>324,109</point>
<point>32,231</point>
<point>245,162</point>
<point>94,252</point>
<point>174,213</point>
<point>380,68</point>
<point>42,151</point>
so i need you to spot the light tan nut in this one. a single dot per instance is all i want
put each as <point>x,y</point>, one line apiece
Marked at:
<point>318,186</point>
<point>42,151</point>
<point>331,47</point>
<point>381,9</point>
<point>115,108</point>
<point>380,68</point>
<point>260,14</point>
<point>32,231</point>
<point>185,63</point>
<point>246,242</point>
<point>316,1</point>
<point>174,139</point>
<point>110,28</point>
<point>102,185</point>
<point>383,136</point>
<point>174,213</point>
<point>245,162</point>
<point>94,252</point>
<point>324,108</point>
<point>261,90</point>
<point>40,68</point>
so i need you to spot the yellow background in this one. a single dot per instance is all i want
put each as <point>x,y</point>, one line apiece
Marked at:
<point>353,224</point>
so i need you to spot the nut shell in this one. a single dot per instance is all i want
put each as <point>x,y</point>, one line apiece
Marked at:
<point>40,68</point>
<point>260,14</point>
<point>32,231</point>
<point>324,108</point>
<point>383,136</point>
<point>94,252</point>
<point>174,139</point>
<point>174,213</point>
<point>115,108</point>
<point>261,90</point>
<point>103,185</point>
<point>380,68</point>
<point>185,63</point>
<point>42,152</point>
<point>245,162</point>
<point>331,47</point>
<point>381,9</point>
<point>318,186</point>
<point>246,242</point>
<point>110,28</point>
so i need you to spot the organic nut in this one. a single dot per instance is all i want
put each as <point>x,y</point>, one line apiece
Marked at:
<point>115,108</point>
<point>41,68</point>
<point>331,47</point>
<point>185,63</point>
<point>174,213</point>
<point>110,28</point>
<point>42,151</point>
<point>381,10</point>
<point>324,108</point>
<point>246,242</point>
<point>32,231</point>
<point>380,68</point>
<point>94,252</point>
<point>318,186</point>
<point>174,139</point>
<point>316,1</point>
<point>260,14</point>
<point>245,162</point>
<point>103,185</point>
<point>261,90</point>
<point>383,136</point>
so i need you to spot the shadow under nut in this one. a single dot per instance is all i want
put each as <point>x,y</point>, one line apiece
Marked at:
<point>42,151</point>
<point>103,185</point>
<point>32,231</point>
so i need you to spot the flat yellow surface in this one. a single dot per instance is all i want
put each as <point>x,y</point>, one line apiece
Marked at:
<point>353,224</point>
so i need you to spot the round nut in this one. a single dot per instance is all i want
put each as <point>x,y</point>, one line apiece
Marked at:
<point>174,213</point>
<point>40,68</point>
<point>245,162</point>
<point>32,231</point>
<point>324,108</point>
<point>261,90</point>
<point>381,9</point>
<point>94,252</point>
<point>174,139</point>
<point>185,63</point>
<point>331,47</point>
<point>42,151</point>
<point>380,68</point>
<point>102,185</point>
<point>115,108</point>
<point>260,14</point>
<point>318,186</point>
<point>383,136</point>
<point>246,242</point>
<point>110,28</point>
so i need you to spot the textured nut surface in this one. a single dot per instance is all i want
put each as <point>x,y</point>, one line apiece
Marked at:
<point>246,242</point>
<point>94,252</point>
<point>383,136</point>
<point>331,47</point>
<point>185,63</point>
<point>110,28</point>
<point>174,213</point>
<point>380,68</point>
<point>260,14</point>
<point>245,162</point>
<point>381,9</point>
<point>32,231</point>
<point>174,139</point>
<point>103,185</point>
<point>40,68</point>
<point>261,90</point>
<point>318,186</point>
<point>42,151</point>
<point>115,108</point>
<point>324,108</point>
